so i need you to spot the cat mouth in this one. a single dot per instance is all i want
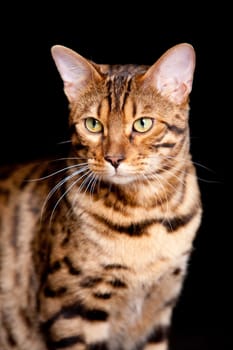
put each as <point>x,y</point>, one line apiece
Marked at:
<point>120,175</point>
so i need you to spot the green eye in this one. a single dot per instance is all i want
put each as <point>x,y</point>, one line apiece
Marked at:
<point>93,125</point>
<point>142,124</point>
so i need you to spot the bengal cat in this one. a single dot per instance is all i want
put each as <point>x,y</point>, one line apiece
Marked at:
<point>94,246</point>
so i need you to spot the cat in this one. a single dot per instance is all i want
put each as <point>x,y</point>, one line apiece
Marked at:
<point>95,245</point>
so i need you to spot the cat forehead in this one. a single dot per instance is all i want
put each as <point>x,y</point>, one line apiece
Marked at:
<point>122,70</point>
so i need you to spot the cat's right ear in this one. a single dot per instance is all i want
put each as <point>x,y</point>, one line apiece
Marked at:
<point>74,70</point>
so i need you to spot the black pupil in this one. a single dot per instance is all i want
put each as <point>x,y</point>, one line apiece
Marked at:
<point>142,122</point>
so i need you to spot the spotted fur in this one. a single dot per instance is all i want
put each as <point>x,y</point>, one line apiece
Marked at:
<point>94,246</point>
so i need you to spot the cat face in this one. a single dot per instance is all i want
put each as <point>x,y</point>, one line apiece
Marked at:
<point>130,122</point>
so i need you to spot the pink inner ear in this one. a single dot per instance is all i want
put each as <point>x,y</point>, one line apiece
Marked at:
<point>74,70</point>
<point>172,74</point>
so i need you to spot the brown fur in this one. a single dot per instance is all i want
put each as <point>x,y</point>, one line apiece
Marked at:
<point>96,259</point>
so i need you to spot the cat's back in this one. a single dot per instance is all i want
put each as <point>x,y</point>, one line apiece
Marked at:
<point>22,194</point>
<point>20,202</point>
<point>20,183</point>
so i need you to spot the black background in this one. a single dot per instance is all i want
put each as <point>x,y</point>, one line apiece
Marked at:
<point>34,121</point>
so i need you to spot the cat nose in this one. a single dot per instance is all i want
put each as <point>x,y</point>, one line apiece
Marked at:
<point>114,160</point>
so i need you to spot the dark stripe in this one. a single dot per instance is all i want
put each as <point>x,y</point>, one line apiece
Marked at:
<point>102,295</point>
<point>171,302</point>
<point>7,325</point>
<point>75,144</point>
<point>51,293</point>
<point>26,317</point>
<point>118,201</point>
<point>117,283</point>
<point>54,266</point>
<point>29,176</point>
<point>73,311</point>
<point>134,109</point>
<point>64,342</point>
<point>109,93</point>
<point>98,346</point>
<point>88,314</point>
<point>62,192</point>
<point>15,227</point>
<point>165,145</point>
<point>184,185</point>
<point>125,99</point>
<point>128,88</point>
<point>162,135</point>
<point>79,147</point>
<point>115,266</point>
<point>11,339</point>
<point>187,252</point>
<point>72,131</point>
<point>179,117</point>
<point>99,109</point>
<point>131,230</point>
<point>72,270</point>
<point>118,89</point>
<point>177,271</point>
<point>90,282</point>
<point>159,335</point>
<point>164,168</point>
<point>65,241</point>
<point>139,229</point>
<point>4,194</point>
<point>175,129</point>
<point>67,231</point>
<point>175,223</point>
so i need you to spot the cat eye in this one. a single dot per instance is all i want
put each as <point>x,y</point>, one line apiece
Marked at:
<point>93,125</point>
<point>143,124</point>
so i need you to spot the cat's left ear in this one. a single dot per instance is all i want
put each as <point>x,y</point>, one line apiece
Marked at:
<point>172,74</point>
<point>74,70</point>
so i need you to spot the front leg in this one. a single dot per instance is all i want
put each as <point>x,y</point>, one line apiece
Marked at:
<point>165,294</point>
<point>73,318</point>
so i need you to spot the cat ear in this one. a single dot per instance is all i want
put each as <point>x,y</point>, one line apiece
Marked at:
<point>74,70</point>
<point>172,74</point>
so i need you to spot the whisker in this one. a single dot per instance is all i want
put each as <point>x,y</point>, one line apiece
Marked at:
<point>59,184</point>
<point>90,176</point>
<point>67,158</point>
<point>200,178</point>
<point>57,172</point>
<point>94,182</point>
<point>91,184</point>
<point>185,160</point>
<point>85,181</point>
<point>64,142</point>
<point>208,181</point>
<point>194,162</point>
<point>67,190</point>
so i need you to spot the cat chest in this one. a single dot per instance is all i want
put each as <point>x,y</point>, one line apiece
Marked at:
<point>152,246</point>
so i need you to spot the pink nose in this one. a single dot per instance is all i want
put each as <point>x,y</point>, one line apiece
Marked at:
<point>114,160</point>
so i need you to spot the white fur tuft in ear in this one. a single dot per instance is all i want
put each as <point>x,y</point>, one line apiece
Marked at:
<point>172,74</point>
<point>74,70</point>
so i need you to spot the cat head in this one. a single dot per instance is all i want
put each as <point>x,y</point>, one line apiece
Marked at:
<point>129,122</point>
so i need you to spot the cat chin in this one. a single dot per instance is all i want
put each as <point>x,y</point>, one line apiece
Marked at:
<point>120,180</point>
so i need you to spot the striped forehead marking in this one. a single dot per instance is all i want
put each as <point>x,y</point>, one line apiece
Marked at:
<point>119,87</point>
